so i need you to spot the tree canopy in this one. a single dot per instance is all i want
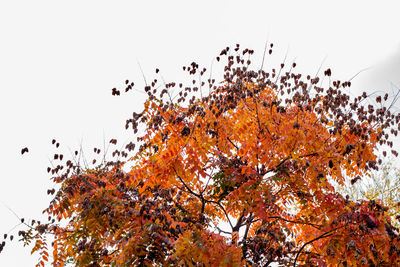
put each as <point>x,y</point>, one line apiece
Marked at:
<point>232,173</point>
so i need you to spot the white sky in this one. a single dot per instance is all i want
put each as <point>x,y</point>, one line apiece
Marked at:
<point>60,59</point>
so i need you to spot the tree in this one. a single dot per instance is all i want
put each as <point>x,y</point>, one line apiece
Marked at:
<point>259,152</point>
<point>383,184</point>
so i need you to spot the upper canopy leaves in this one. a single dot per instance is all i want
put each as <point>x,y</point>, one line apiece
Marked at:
<point>260,152</point>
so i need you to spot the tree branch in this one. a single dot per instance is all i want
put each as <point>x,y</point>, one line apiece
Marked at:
<point>326,234</point>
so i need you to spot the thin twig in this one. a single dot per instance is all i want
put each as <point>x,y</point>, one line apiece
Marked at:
<point>141,70</point>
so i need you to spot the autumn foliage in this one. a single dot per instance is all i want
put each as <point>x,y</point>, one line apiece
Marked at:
<point>237,173</point>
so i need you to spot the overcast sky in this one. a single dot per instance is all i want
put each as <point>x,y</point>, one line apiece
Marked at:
<point>60,59</point>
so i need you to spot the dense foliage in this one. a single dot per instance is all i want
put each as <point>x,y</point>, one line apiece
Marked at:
<point>237,173</point>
